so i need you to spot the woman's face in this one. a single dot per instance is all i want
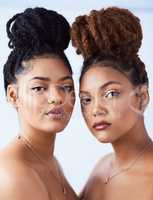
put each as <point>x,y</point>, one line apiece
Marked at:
<point>45,95</point>
<point>109,104</point>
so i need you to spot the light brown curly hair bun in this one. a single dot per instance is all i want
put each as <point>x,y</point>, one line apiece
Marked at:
<point>115,31</point>
<point>113,34</point>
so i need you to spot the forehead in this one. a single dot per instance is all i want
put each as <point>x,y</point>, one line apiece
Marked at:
<point>53,68</point>
<point>97,76</point>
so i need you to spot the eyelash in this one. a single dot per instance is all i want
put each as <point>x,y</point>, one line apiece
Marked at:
<point>65,88</point>
<point>38,88</point>
<point>86,100</point>
<point>111,92</point>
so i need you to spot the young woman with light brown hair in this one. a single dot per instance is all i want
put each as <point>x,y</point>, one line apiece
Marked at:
<point>114,96</point>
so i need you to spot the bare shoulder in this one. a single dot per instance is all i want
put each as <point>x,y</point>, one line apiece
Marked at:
<point>101,165</point>
<point>19,181</point>
<point>93,188</point>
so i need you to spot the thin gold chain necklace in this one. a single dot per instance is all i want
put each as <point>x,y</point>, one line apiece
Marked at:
<point>58,177</point>
<point>140,154</point>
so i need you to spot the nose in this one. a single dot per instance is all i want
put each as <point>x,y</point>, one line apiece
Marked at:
<point>98,108</point>
<point>55,97</point>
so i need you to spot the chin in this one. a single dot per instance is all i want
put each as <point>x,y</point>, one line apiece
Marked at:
<point>103,140</point>
<point>47,128</point>
<point>102,137</point>
<point>55,129</point>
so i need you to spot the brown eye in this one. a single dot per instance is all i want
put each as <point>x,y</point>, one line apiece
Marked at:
<point>85,100</point>
<point>68,88</point>
<point>38,89</point>
<point>111,94</point>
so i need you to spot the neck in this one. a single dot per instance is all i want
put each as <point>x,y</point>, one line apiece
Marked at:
<point>41,142</point>
<point>130,146</point>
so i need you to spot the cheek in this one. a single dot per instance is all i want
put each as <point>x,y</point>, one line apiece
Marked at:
<point>71,102</point>
<point>118,110</point>
<point>124,111</point>
<point>87,114</point>
<point>31,104</point>
<point>68,108</point>
<point>68,103</point>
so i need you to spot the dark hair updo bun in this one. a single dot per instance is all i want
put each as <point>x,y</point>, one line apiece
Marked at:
<point>34,32</point>
<point>35,27</point>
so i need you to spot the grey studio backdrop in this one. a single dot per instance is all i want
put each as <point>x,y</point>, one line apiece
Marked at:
<point>76,149</point>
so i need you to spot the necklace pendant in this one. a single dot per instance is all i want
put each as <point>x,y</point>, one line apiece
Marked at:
<point>106,180</point>
<point>19,137</point>
<point>64,191</point>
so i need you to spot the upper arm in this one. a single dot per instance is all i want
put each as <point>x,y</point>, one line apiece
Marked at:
<point>93,189</point>
<point>21,185</point>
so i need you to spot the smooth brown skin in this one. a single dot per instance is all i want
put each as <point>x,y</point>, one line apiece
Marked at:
<point>119,105</point>
<point>22,174</point>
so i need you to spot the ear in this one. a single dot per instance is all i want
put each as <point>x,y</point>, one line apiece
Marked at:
<point>12,95</point>
<point>144,97</point>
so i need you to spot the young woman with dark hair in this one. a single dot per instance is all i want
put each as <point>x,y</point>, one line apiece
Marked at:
<point>39,84</point>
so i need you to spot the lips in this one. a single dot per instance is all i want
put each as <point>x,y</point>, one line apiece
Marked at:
<point>100,126</point>
<point>56,113</point>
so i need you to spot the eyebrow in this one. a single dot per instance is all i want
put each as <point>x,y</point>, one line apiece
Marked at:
<point>48,79</point>
<point>110,83</point>
<point>105,85</point>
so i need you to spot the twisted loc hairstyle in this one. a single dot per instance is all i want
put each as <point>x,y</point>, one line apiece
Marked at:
<point>111,37</point>
<point>33,33</point>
